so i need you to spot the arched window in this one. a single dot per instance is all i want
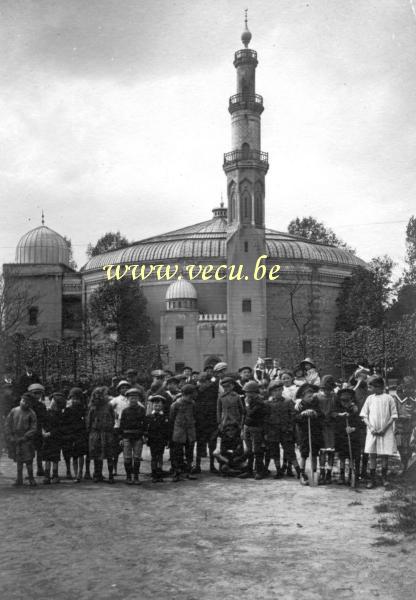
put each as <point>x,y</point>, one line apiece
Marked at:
<point>258,204</point>
<point>245,202</point>
<point>246,151</point>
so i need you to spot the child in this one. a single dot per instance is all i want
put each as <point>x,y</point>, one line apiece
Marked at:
<point>182,425</point>
<point>53,433</point>
<point>157,434</point>
<point>347,409</point>
<point>299,378</point>
<point>358,382</point>
<point>38,406</point>
<point>206,421</point>
<point>289,388</point>
<point>20,429</point>
<point>230,408</point>
<point>132,429</point>
<point>100,424</point>
<point>326,398</point>
<point>279,429</point>
<point>231,456</point>
<point>119,403</point>
<point>76,416</point>
<point>379,413</point>
<point>311,373</point>
<point>254,429</point>
<point>308,408</point>
<point>405,399</point>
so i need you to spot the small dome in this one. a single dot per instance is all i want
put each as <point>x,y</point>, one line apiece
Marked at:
<point>42,245</point>
<point>181,290</point>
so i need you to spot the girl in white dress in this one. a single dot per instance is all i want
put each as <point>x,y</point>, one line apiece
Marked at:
<point>379,413</point>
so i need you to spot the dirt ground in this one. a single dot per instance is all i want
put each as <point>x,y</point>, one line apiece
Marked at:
<point>209,539</point>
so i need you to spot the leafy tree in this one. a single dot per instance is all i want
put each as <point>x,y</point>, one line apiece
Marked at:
<point>110,241</point>
<point>364,296</point>
<point>119,307</point>
<point>405,304</point>
<point>311,229</point>
<point>410,271</point>
<point>72,262</point>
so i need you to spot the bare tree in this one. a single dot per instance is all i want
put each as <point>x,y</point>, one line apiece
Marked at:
<point>15,303</point>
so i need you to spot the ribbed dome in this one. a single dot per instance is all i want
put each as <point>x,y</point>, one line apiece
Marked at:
<point>207,240</point>
<point>181,290</point>
<point>42,245</point>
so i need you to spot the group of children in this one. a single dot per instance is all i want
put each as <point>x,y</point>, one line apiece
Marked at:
<point>259,417</point>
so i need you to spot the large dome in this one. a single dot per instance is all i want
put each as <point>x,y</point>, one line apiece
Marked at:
<point>208,240</point>
<point>42,245</point>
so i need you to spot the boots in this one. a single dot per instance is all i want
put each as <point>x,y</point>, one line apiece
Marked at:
<point>98,471</point>
<point>212,467</point>
<point>249,472</point>
<point>303,478</point>
<point>321,479</point>
<point>328,476</point>
<point>372,483</point>
<point>297,469</point>
<point>196,470</point>
<point>32,481</point>
<point>136,471</point>
<point>385,483</point>
<point>289,472</point>
<point>341,480</point>
<point>40,472</point>
<point>259,467</point>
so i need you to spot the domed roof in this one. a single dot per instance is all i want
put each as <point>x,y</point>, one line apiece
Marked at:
<point>180,290</point>
<point>207,240</point>
<point>42,245</point>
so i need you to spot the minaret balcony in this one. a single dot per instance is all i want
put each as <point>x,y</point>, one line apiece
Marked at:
<point>246,158</point>
<point>244,101</point>
<point>244,57</point>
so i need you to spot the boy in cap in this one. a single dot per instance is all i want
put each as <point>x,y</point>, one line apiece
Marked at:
<point>132,430</point>
<point>182,425</point>
<point>20,429</point>
<point>379,413</point>
<point>119,403</point>
<point>308,408</point>
<point>254,429</point>
<point>230,408</point>
<point>279,429</point>
<point>311,372</point>
<point>157,434</point>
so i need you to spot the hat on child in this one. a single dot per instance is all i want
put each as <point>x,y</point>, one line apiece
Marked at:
<point>158,373</point>
<point>228,380</point>
<point>308,361</point>
<point>275,384</point>
<point>122,382</point>
<point>251,386</point>
<point>35,387</point>
<point>304,388</point>
<point>134,392</point>
<point>188,389</point>
<point>221,366</point>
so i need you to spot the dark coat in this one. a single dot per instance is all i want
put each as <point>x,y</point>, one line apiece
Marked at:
<point>341,437</point>
<point>100,425</point>
<point>133,422</point>
<point>182,421</point>
<point>76,435</point>
<point>279,420</point>
<point>255,413</point>
<point>54,425</point>
<point>316,427</point>
<point>206,410</point>
<point>157,429</point>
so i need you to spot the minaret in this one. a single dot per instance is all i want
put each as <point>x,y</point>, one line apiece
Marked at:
<point>245,167</point>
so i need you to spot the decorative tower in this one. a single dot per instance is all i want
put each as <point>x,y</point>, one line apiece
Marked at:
<point>245,167</point>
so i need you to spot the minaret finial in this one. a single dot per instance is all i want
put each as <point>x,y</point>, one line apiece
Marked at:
<point>222,202</point>
<point>43,218</point>
<point>246,35</point>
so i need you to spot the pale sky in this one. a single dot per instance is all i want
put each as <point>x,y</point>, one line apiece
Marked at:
<point>114,115</point>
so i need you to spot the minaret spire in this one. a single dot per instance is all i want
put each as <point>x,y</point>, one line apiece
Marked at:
<point>246,35</point>
<point>43,218</point>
